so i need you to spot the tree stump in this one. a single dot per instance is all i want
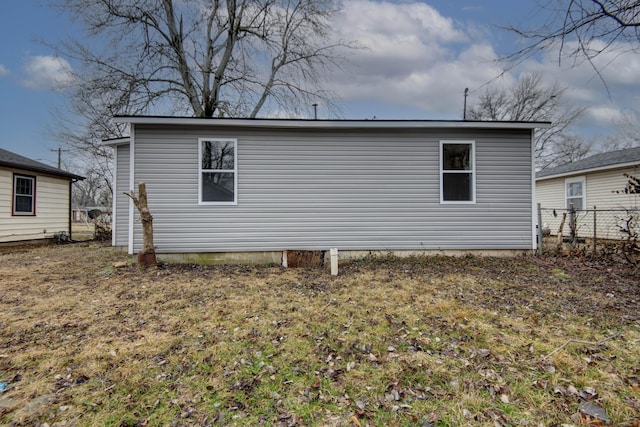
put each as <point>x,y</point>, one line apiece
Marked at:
<point>147,257</point>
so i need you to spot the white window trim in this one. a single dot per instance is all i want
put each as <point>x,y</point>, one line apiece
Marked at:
<point>472,171</point>
<point>582,180</point>
<point>234,170</point>
<point>33,195</point>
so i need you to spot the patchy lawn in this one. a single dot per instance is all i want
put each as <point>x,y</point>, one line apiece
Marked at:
<point>424,341</point>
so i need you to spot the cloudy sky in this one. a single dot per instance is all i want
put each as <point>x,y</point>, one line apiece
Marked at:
<point>417,58</point>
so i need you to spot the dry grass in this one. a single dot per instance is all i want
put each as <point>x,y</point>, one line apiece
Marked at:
<point>424,341</point>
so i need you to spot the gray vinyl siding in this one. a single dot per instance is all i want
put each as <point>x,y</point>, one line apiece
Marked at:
<point>317,189</point>
<point>122,201</point>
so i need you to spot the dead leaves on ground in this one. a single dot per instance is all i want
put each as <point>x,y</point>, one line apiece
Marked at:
<point>432,342</point>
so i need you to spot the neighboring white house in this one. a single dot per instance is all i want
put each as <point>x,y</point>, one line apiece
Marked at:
<point>593,181</point>
<point>35,199</point>
<point>262,186</point>
<point>87,214</point>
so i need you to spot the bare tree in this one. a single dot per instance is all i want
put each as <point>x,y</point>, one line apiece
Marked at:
<point>568,148</point>
<point>628,133</point>
<point>202,57</point>
<point>91,191</point>
<point>530,100</point>
<point>581,30</point>
<point>206,58</point>
<point>82,128</point>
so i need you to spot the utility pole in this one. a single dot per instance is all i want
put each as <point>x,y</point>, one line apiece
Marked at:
<point>59,150</point>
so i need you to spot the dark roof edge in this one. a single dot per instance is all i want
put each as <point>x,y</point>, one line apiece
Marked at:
<point>13,160</point>
<point>44,170</point>
<point>587,170</point>
<point>326,123</point>
<point>602,161</point>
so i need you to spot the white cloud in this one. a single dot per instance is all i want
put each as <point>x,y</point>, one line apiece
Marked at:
<point>413,57</point>
<point>395,34</point>
<point>47,73</point>
<point>405,20</point>
<point>604,96</point>
<point>416,58</point>
<point>3,70</point>
<point>605,115</point>
<point>618,67</point>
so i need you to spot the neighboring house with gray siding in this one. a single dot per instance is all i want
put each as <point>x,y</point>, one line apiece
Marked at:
<point>35,199</point>
<point>590,182</point>
<point>264,185</point>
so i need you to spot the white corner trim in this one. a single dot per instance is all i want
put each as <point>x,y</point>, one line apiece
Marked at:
<point>534,202</point>
<point>132,169</point>
<point>114,192</point>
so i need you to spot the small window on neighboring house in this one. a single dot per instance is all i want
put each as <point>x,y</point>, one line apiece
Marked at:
<point>24,195</point>
<point>457,172</point>
<point>218,171</point>
<point>575,193</point>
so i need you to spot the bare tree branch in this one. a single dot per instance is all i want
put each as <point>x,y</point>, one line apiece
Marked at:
<point>207,58</point>
<point>530,100</point>
<point>582,30</point>
<point>218,57</point>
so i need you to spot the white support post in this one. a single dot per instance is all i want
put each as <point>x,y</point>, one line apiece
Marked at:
<point>334,261</point>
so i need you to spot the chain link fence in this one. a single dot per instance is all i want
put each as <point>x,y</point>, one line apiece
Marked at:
<point>590,227</point>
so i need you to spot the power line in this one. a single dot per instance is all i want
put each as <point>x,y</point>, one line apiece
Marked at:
<point>59,150</point>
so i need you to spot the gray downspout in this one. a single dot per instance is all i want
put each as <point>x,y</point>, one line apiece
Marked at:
<point>71,182</point>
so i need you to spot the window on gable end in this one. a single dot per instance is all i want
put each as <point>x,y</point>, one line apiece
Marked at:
<point>218,173</point>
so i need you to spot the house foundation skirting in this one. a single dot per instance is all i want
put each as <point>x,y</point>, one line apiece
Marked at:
<point>276,257</point>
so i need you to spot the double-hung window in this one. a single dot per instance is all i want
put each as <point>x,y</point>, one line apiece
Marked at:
<point>575,191</point>
<point>218,174</point>
<point>24,195</point>
<point>457,172</point>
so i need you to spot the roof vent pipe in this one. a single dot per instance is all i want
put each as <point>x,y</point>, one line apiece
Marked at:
<point>464,109</point>
<point>315,111</point>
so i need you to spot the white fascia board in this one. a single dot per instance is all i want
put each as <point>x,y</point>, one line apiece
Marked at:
<point>331,124</point>
<point>591,170</point>
<point>114,142</point>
